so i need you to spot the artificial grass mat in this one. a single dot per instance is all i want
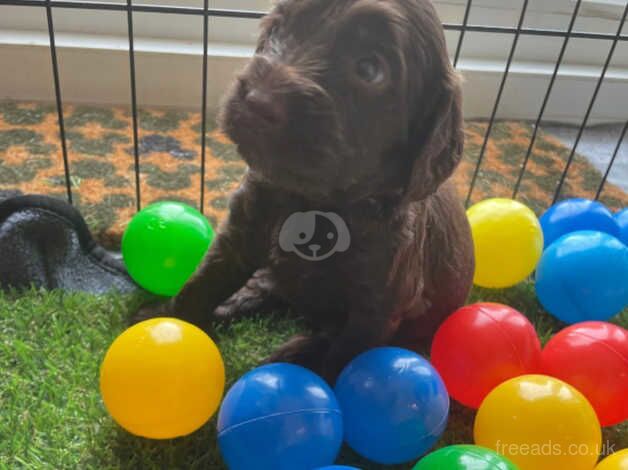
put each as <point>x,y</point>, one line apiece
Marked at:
<point>51,346</point>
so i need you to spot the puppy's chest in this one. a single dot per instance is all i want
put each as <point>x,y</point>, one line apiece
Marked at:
<point>321,246</point>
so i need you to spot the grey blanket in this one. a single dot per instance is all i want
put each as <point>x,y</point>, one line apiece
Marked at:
<point>44,242</point>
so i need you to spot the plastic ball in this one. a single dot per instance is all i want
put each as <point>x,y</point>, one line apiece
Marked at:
<point>572,215</point>
<point>593,357</point>
<point>616,461</point>
<point>622,220</point>
<point>464,457</point>
<point>395,405</point>
<point>279,417</point>
<point>481,346</point>
<point>508,242</point>
<point>162,378</point>
<point>584,276</point>
<point>539,423</point>
<point>164,244</point>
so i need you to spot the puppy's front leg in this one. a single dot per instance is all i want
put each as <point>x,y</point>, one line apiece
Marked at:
<point>226,267</point>
<point>236,253</point>
<point>368,326</point>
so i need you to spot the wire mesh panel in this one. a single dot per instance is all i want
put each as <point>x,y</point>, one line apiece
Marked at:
<point>516,32</point>
<point>587,115</point>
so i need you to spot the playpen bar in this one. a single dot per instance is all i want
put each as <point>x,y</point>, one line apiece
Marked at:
<point>465,22</point>
<point>610,164</point>
<point>502,85</point>
<point>249,14</point>
<point>142,8</point>
<point>551,33</point>
<point>136,153</point>
<point>548,93</point>
<point>57,87</point>
<point>585,121</point>
<point>204,104</point>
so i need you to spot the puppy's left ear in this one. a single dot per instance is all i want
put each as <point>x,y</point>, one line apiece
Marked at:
<point>436,138</point>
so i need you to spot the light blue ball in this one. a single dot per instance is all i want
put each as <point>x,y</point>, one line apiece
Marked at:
<point>279,417</point>
<point>394,403</point>
<point>576,214</point>
<point>583,276</point>
<point>622,221</point>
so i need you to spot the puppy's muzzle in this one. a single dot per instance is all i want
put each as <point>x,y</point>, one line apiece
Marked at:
<point>259,91</point>
<point>265,106</point>
<point>271,90</point>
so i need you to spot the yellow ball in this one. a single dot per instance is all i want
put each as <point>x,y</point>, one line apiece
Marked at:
<point>540,423</point>
<point>508,242</point>
<point>616,461</point>
<point>162,378</point>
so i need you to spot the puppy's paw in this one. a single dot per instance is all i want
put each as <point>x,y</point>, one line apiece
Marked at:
<point>337,358</point>
<point>305,351</point>
<point>255,297</point>
<point>241,305</point>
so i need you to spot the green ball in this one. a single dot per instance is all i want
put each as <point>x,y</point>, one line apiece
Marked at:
<point>464,457</point>
<point>164,244</point>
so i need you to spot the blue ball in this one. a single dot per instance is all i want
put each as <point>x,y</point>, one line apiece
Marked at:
<point>279,417</point>
<point>622,221</point>
<point>583,276</point>
<point>394,403</point>
<point>572,215</point>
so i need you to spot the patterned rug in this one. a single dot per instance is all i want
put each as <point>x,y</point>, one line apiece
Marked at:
<point>101,160</point>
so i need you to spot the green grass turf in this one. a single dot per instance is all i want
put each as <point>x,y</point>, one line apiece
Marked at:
<point>51,345</point>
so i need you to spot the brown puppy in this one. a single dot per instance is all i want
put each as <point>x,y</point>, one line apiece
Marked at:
<point>349,117</point>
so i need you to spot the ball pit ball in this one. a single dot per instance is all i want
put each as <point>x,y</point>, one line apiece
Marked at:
<point>395,405</point>
<point>162,378</point>
<point>583,276</point>
<point>164,244</point>
<point>616,461</point>
<point>480,346</point>
<point>573,215</point>
<point>464,457</point>
<point>622,220</point>
<point>593,357</point>
<point>539,423</point>
<point>279,417</point>
<point>507,240</point>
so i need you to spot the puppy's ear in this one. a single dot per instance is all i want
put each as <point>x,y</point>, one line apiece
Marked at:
<point>436,138</point>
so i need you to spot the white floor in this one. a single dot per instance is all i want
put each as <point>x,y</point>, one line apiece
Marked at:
<point>598,144</point>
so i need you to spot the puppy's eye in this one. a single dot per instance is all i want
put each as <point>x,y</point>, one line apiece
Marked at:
<point>369,69</point>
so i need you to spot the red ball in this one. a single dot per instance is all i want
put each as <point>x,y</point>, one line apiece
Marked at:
<point>593,357</point>
<point>482,345</point>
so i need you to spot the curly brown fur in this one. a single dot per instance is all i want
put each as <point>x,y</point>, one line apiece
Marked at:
<point>350,107</point>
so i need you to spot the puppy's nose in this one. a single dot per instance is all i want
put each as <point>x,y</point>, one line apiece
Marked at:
<point>314,247</point>
<point>265,105</point>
